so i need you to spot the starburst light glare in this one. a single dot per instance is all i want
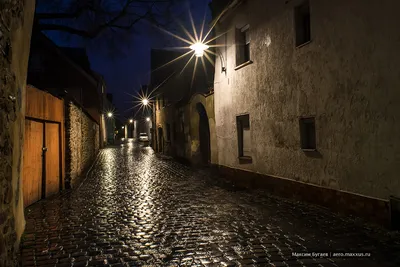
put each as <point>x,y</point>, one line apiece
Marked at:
<point>199,49</point>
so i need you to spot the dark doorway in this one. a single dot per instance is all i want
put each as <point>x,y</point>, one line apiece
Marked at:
<point>160,140</point>
<point>204,134</point>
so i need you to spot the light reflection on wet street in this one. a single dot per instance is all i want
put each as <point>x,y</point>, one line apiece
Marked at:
<point>138,209</point>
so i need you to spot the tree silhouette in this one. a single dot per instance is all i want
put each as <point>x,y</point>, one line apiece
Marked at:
<point>90,18</point>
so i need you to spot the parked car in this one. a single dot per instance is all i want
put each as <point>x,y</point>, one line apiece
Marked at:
<point>143,137</point>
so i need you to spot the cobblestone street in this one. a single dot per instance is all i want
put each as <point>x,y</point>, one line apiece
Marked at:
<point>138,209</point>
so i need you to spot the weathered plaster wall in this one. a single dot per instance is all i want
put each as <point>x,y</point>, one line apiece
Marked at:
<point>165,115</point>
<point>208,103</point>
<point>186,143</point>
<point>347,77</point>
<point>82,144</point>
<point>15,33</point>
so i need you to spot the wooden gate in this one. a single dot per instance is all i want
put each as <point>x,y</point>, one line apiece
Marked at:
<point>32,181</point>
<point>43,166</point>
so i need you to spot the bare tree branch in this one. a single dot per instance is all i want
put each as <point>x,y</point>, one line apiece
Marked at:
<point>91,17</point>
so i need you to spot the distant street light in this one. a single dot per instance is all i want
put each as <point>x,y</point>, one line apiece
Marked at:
<point>130,121</point>
<point>109,114</point>
<point>123,127</point>
<point>145,101</point>
<point>147,119</point>
<point>199,48</point>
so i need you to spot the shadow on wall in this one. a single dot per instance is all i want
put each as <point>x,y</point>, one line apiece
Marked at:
<point>204,135</point>
<point>15,29</point>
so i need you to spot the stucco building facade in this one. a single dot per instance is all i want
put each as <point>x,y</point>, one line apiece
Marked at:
<point>309,100</point>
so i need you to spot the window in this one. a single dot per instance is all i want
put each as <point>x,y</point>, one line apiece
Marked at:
<point>168,132</point>
<point>307,134</point>
<point>302,23</point>
<point>244,138</point>
<point>242,45</point>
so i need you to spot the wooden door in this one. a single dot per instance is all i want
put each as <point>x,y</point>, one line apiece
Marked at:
<point>32,169</point>
<point>52,160</point>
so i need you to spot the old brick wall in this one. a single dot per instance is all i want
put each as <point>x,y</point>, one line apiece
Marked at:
<point>15,32</point>
<point>82,143</point>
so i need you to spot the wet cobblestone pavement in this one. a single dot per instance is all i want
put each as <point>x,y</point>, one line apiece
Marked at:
<point>137,209</point>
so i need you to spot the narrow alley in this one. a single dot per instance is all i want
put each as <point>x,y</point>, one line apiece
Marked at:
<point>138,209</point>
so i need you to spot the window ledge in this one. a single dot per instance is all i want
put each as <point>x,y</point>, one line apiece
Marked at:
<point>309,149</point>
<point>303,44</point>
<point>243,64</point>
<point>245,160</point>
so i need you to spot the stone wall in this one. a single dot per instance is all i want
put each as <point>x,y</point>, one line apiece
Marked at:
<point>193,124</point>
<point>15,32</point>
<point>347,77</point>
<point>82,143</point>
<point>185,140</point>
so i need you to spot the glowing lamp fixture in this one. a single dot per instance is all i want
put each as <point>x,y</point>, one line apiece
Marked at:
<point>199,48</point>
<point>130,121</point>
<point>109,114</point>
<point>147,119</point>
<point>145,101</point>
<point>123,127</point>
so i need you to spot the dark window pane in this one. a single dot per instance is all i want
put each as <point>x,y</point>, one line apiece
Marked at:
<point>307,133</point>
<point>242,46</point>
<point>243,130</point>
<point>246,53</point>
<point>302,23</point>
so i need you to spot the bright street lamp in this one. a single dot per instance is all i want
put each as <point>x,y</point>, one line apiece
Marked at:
<point>147,119</point>
<point>130,121</point>
<point>199,49</point>
<point>145,101</point>
<point>123,127</point>
<point>109,114</point>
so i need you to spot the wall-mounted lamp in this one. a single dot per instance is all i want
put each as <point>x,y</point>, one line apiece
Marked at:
<point>223,65</point>
<point>199,49</point>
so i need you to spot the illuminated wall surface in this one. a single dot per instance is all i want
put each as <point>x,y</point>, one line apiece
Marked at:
<point>15,29</point>
<point>346,77</point>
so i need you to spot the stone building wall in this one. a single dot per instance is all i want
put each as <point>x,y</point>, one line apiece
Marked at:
<point>82,143</point>
<point>193,124</point>
<point>184,140</point>
<point>15,33</point>
<point>347,77</point>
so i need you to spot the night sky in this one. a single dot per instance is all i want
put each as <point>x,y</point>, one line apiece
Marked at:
<point>124,60</point>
